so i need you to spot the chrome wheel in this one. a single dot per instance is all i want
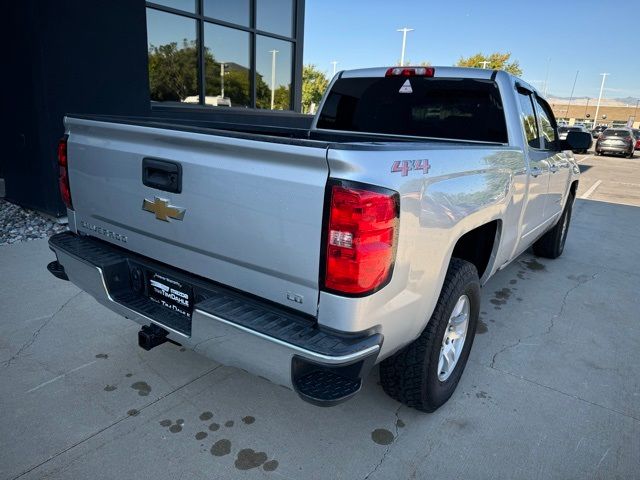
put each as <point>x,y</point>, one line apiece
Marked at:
<point>454,337</point>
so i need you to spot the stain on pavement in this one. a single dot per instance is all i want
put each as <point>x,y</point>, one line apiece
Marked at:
<point>143,388</point>
<point>382,436</point>
<point>221,448</point>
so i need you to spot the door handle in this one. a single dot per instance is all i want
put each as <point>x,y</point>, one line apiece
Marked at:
<point>553,168</point>
<point>535,171</point>
<point>164,175</point>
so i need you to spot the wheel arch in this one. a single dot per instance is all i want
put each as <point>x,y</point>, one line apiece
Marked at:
<point>479,246</point>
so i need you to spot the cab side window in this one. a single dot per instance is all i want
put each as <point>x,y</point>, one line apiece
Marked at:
<point>548,125</point>
<point>529,121</point>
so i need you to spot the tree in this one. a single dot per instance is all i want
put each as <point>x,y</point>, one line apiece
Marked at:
<point>173,71</point>
<point>495,61</point>
<point>173,75</point>
<point>263,93</point>
<point>408,63</point>
<point>314,83</point>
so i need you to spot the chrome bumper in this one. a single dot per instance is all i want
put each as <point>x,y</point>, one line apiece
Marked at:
<point>220,339</point>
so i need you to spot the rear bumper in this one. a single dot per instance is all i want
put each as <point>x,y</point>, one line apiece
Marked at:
<point>614,148</point>
<point>230,327</point>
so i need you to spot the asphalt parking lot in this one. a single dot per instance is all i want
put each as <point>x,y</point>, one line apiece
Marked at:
<point>552,388</point>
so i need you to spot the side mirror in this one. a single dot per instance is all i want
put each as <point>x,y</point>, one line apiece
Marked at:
<point>576,141</point>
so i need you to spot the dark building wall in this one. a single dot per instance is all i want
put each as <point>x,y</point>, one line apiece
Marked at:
<point>69,56</point>
<point>86,57</point>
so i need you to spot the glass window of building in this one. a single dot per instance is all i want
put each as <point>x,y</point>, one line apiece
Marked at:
<point>273,73</point>
<point>236,11</point>
<point>275,16</point>
<point>173,57</point>
<point>224,53</point>
<point>227,66</point>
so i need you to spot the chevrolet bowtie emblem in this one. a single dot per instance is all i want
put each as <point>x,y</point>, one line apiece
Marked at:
<point>162,209</point>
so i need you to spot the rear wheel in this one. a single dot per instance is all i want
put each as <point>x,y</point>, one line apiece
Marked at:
<point>425,374</point>
<point>551,244</point>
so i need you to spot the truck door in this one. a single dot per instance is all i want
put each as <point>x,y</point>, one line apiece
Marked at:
<point>538,165</point>
<point>558,163</point>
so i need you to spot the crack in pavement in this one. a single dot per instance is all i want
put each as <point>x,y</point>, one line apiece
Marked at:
<point>111,425</point>
<point>570,395</point>
<point>35,334</point>
<point>564,301</point>
<point>551,320</point>
<point>388,449</point>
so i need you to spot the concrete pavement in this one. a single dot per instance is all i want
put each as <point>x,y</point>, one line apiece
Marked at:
<point>551,390</point>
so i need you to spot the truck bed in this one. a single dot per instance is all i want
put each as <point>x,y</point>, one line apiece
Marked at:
<point>300,135</point>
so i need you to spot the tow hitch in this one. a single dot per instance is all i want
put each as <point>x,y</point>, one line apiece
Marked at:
<point>150,336</point>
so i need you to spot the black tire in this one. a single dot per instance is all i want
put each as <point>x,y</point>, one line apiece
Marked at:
<point>551,244</point>
<point>410,376</point>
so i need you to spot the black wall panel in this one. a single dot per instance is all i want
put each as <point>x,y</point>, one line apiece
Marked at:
<point>65,56</point>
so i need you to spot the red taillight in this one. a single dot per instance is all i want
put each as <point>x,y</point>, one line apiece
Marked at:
<point>410,72</point>
<point>63,172</point>
<point>361,236</point>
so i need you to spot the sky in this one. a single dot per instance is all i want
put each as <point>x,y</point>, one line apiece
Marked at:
<point>562,37</point>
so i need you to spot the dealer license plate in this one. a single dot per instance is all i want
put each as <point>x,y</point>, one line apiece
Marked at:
<point>170,293</point>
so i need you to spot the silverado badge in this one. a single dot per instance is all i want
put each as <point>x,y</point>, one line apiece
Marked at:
<point>162,209</point>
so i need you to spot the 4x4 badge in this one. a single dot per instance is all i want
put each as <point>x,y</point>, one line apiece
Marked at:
<point>406,166</point>
<point>162,209</point>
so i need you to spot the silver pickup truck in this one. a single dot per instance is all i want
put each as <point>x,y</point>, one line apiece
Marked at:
<point>309,256</point>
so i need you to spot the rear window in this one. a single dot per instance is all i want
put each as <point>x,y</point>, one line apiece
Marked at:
<point>458,109</point>
<point>563,129</point>
<point>610,132</point>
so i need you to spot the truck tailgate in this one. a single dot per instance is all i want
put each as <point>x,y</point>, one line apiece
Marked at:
<point>252,209</point>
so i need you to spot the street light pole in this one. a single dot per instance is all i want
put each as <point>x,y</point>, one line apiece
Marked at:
<point>334,63</point>
<point>222,79</point>
<point>484,64</point>
<point>586,107</point>
<point>546,78</point>
<point>572,90</point>
<point>404,31</point>
<point>595,119</point>
<point>273,76</point>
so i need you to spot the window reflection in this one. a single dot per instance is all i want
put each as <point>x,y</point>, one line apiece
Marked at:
<point>548,132</point>
<point>227,66</point>
<point>193,59</point>
<point>529,123</point>
<point>273,73</point>
<point>275,16</point>
<point>173,57</point>
<point>236,11</point>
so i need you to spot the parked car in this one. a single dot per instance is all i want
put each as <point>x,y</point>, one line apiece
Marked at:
<point>616,140</point>
<point>595,133</point>
<point>563,131</point>
<point>636,135</point>
<point>307,257</point>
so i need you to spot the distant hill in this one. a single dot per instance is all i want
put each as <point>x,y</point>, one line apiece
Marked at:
<point>611,102</point>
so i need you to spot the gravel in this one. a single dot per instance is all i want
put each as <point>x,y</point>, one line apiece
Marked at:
<point>19,224</point>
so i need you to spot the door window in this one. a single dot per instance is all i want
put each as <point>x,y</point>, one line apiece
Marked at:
<point>548,125</point>
<point>529,121</point>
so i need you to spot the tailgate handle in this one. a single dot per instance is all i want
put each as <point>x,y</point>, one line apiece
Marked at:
<point>162,174</point>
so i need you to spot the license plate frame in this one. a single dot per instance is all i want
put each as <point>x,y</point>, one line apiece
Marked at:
<point>170,293</point>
